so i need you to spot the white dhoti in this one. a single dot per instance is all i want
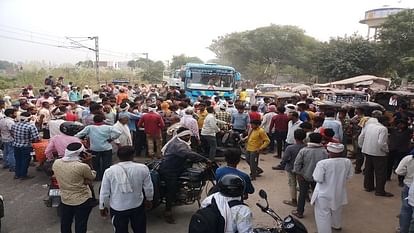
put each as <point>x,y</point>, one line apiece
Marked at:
<point>325,217</point>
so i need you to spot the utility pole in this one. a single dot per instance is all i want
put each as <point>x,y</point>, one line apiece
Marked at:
<point>76,43</point>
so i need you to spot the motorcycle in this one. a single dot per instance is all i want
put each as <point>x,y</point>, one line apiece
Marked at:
<point>53,193</point>
<point>287,225</point>
<point>231,139</point>
<point>191,183</point>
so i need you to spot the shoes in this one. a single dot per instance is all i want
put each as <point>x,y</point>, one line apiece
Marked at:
<point>278,167</point>
<point>337,229</point>
<point>259,171</point>
<point>12,169</point>
<point>169,218</point>
<point>28,177</point>
<point>368,190</point>
<point>358,171</point>
<point>384,194</point>
<point>291,203</point>
<point>297,214</point>
<point>5,167</point>
<point>16,177</point>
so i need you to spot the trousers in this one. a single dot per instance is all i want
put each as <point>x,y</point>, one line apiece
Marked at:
<point>406,211</point>
<point>171,183</point>
<point>8,152</point>
<point>375,165</point>
<point>252,158</point>
<point>325,217</point>
<point>210,146</point>
<point>101,160</point>
<point>80,213</point>
<point>303,192</point>
<point>22,157</point>
<point>154,145</point>
<point>292,185</point>
<point>135,216</point>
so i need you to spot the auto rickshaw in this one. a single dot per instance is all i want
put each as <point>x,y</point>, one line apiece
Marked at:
<point>279,97</point>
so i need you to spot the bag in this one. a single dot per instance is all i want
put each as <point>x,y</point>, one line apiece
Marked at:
<point>209,219</point>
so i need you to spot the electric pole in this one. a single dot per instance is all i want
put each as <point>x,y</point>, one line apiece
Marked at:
<point>76,42</point>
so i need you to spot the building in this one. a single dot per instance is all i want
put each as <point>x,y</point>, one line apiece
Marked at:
<point>376,17</point>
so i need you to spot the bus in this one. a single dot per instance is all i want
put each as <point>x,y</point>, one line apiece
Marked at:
<point>208,80</point>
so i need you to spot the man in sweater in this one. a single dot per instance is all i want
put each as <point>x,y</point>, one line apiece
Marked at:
<point>330,194</point>
<point>330,122</point>
<point>304,166</point>
<point>374,143</point>
<point>406,168</point>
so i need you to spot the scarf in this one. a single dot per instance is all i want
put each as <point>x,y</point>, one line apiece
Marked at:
<point>224,208</point>
<point>71,155</point>
<point>177,136</point>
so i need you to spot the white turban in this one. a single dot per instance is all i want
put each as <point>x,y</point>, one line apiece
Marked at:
<point>335,147</point>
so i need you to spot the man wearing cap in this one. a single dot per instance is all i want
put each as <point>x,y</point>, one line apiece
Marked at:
<point>330,193</point>
<point>86,91</point>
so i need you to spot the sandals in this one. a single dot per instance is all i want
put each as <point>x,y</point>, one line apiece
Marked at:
<point>291,203</point>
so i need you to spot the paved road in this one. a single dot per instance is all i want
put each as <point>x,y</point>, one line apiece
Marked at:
<point>366,213</point>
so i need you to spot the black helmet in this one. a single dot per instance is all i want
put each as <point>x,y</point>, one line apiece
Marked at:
<point>231,185</point>
<point>71,128</point>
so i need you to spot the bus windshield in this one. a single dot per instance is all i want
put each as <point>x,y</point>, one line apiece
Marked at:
<point>203,79</point>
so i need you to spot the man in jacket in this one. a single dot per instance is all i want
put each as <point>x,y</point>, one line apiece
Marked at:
<point>374,143</point>
<point>304,166</point>
<point>175,154</point>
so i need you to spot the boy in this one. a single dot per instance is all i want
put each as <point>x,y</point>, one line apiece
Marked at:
<point>257,141</point>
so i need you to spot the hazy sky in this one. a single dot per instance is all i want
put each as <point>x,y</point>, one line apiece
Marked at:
<point>163,28</point>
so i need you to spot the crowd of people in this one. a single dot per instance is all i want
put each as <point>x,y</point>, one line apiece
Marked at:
<point>161,122</point>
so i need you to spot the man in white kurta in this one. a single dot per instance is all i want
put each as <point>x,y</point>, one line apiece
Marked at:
<point>330,194</point>
<point>122,125</point>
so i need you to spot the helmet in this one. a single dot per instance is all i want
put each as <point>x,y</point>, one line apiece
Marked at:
<point>231,185</point>
<point>70,128</point>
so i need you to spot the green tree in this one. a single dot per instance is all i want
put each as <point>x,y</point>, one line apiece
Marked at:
<point>347,57</point>
<point>85,64</point>
<point>397,41</point>
<point>180,60</point>
<point>261,53</point>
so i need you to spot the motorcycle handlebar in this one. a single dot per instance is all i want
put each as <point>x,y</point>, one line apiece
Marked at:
<point>261,207</point>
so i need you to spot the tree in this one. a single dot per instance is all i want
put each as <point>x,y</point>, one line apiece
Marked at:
<point>261,54</point>
<point>397,41</point>
<point>149,70</point>
<point>180,60</point>
<point>347,57</point>
<point>85,64</point>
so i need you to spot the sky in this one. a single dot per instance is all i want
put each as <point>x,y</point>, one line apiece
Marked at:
<point>162,28</point>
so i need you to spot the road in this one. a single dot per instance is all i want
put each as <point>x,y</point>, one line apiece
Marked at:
<point>365,213</point>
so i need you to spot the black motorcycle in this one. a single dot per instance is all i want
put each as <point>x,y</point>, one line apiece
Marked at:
<point>231,139</point>
<point>287,225</point>
<point>191,183</point>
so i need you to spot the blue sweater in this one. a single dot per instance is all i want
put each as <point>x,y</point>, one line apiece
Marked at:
<point>240,120</point>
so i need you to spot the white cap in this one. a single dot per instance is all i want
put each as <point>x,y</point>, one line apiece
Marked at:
<point>335,147</point>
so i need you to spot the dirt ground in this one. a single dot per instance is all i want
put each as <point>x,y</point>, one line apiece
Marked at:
<point>365,213</point>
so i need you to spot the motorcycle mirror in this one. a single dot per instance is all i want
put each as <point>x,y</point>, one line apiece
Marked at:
<point>263,194</point>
